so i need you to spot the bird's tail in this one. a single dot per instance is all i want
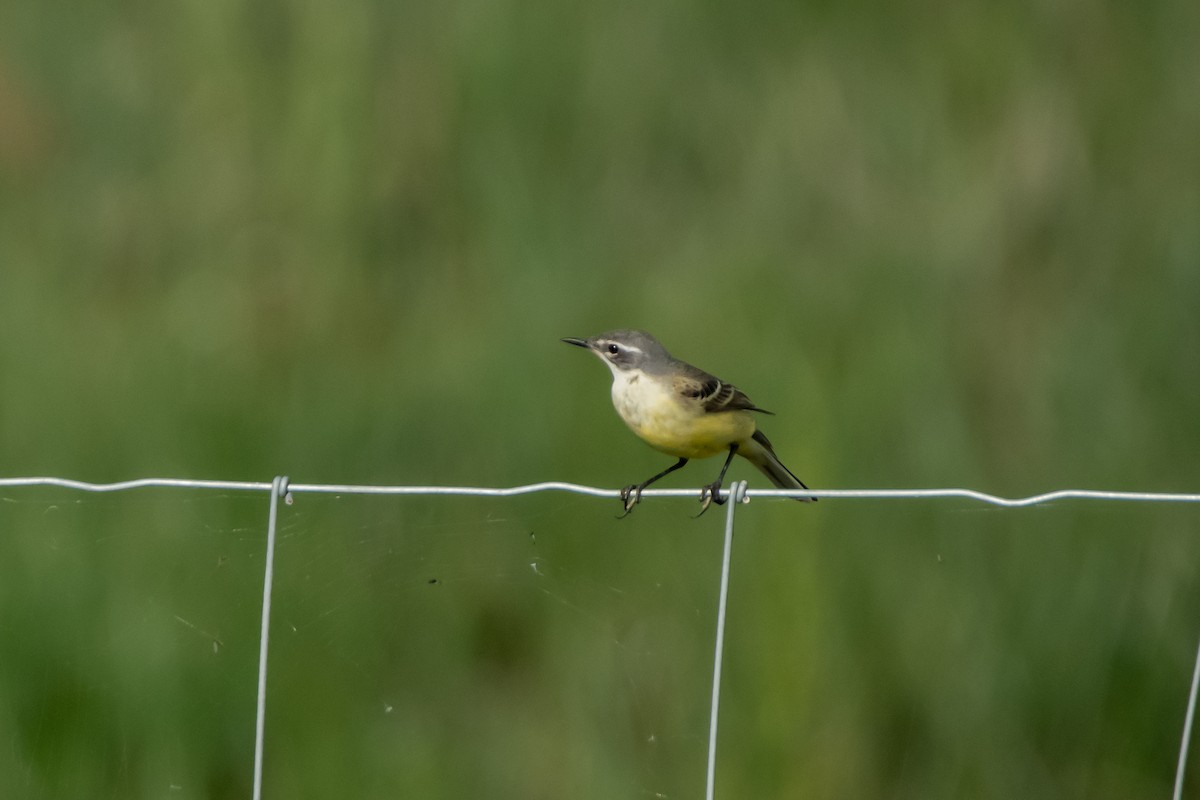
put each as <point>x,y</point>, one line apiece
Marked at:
<point>759,452</point>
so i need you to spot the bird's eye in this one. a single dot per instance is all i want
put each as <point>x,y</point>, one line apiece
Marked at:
<point>613,349</point>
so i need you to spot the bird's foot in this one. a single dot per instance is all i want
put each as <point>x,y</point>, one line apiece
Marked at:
<point>708,495</point>
<point>631,495</point>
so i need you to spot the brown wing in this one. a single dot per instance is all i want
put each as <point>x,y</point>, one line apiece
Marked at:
<point>712,392</point>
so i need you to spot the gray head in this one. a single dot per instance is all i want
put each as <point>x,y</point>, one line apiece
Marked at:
<point>627,350</point>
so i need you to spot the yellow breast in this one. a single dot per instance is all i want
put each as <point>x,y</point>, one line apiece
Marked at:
<point>672,424</point>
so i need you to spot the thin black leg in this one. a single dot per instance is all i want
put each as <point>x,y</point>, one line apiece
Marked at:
<point>631,494</point>
<point>712,492</point>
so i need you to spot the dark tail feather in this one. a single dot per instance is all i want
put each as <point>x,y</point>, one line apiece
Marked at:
<point>761,454</point>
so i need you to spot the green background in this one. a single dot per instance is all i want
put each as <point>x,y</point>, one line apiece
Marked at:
<point>949,244</point>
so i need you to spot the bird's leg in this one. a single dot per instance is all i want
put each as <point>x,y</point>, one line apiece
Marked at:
<point>712,492</point>
<point>631,494</point>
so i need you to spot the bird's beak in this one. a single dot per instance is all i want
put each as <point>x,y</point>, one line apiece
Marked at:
<point>577,342</point>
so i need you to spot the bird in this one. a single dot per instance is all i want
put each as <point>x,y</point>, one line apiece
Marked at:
<point>683,411</point>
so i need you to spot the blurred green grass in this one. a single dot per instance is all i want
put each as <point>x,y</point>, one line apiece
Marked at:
<point>949,244</point>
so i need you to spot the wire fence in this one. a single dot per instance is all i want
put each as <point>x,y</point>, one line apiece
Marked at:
<point>593,491</point>
<point>280,488</point>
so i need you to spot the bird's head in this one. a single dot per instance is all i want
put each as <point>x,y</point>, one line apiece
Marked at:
<point>626,350</point>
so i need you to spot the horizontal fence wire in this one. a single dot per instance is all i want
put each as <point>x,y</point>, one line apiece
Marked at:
<point>594,491</point>
<point>281,488</point>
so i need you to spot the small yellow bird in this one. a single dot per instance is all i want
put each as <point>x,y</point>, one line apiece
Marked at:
<point>683,411</point>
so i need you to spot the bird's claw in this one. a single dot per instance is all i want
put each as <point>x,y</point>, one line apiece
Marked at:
<point>708,495</point>
<point>631,495</point>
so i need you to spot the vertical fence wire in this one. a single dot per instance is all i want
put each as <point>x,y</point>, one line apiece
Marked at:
<point>278,489</point>
<point>737,494</point>
<point>1188,720</point>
